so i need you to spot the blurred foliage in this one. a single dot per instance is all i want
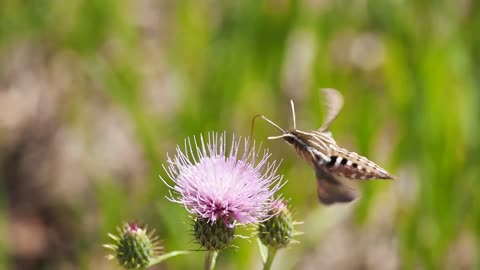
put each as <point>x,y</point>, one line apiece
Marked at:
<point>121,83</point>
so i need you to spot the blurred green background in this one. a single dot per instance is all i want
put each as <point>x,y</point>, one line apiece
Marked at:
<point>93,94</point>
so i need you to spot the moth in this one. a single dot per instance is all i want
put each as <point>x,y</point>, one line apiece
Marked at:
<point>336,169</point>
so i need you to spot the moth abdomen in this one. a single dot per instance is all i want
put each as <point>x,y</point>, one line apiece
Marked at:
<point>352,165</point>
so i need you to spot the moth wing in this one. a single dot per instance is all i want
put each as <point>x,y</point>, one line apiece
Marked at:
<point>334,189</point>
<point>333,101</point>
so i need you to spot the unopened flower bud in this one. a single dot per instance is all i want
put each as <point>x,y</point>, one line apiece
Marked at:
<point>278,230</point>
<point>133,247</point>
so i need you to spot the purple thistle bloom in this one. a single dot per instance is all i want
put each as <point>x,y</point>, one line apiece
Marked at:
<point>214,185</point>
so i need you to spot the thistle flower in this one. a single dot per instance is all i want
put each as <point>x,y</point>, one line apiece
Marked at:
<point>215,185</point>
<point>133,247</point>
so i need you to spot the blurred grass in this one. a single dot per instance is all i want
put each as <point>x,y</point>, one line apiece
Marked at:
<point>417,110</point>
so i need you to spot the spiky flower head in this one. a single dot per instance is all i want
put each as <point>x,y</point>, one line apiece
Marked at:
<point>278,231</point>
<point>133,246</point>
<point>214,184</point>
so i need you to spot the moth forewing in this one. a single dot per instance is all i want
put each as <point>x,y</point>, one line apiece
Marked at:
<point>333,103</point>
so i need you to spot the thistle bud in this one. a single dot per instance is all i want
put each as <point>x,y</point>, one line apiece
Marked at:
<point>277,231</point>
<point>213,235</point>
<point>133,247</point>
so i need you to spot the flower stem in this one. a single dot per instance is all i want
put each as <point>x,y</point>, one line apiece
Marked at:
<point>163,257</point>
<point>271,255</point>
<point>210,259</point>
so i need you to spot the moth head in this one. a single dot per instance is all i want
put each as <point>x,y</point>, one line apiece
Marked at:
<point>289,139</point>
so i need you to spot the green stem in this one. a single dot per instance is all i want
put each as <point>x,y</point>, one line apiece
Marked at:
<point>210,259</point>
<point>262,250</point>
<point>271,255</point>
<point>163,257</point>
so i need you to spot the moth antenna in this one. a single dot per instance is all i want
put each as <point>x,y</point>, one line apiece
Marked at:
<point>253,124</point>
<point>271,122</point>
<point>293,114</point>
<point>250,139</point>
<point>250,145</point>
<point>284,134</point>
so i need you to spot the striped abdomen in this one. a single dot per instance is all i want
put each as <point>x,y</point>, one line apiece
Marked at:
<point>352,165</point>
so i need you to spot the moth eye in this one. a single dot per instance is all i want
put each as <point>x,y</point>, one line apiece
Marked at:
<point>290,140</point>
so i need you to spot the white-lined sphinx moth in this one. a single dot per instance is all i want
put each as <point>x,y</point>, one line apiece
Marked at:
<point>335,167</point>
